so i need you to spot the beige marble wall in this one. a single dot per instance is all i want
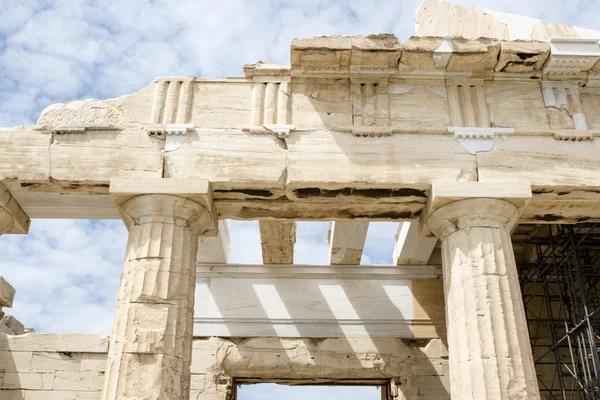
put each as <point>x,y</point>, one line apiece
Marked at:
<point>72,366</point>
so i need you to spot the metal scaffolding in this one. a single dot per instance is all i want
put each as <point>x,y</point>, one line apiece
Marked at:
<point>561,294</point>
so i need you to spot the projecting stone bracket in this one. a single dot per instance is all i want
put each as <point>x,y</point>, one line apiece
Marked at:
<point>371,131</point>
<point>170,129</point>
<point>574,136</point>
<point>571,56</point>
<point>475,140</point>
<point>176,134</point>
<point>281,131</point>
<point>76,129</point>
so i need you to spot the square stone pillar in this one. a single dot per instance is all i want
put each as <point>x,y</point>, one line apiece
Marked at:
<point>151,342</point>
<point>488,339</point>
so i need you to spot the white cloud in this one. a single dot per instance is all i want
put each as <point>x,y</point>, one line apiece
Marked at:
<point>67,272</point>
<point>72,49</point>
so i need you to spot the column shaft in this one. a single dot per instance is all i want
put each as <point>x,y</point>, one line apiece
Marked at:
<point>151,341</point>
<point>488,339</point>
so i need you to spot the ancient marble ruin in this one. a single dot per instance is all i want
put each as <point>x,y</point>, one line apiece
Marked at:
<point>480,135</point>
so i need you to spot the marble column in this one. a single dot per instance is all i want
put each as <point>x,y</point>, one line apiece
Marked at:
<point>488,341</point>
<point>151,341</point>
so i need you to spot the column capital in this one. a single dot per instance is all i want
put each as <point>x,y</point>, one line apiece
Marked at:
<point>453,206</point>
<point>161,199</point>
<point>12,217</point>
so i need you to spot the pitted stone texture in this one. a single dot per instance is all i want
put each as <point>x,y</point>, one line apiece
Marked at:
<point>488,341</point>
<point>13,324</point>
<point>7,294</point>
<point>93,112</point>
<point>149,376</point>
<point>422,371</point>
<point>151,341</point>
<point>522,56</point>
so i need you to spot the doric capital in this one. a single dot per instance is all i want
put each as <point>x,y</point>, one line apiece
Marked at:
<point>179,201</point>
<point>12,217</point>
<point>459,205</point>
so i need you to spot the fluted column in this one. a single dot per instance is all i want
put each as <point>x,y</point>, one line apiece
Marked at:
<point>489,347</point>
<point>151,341</point>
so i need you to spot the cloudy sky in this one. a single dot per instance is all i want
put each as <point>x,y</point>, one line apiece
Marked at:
<point>67,272</point>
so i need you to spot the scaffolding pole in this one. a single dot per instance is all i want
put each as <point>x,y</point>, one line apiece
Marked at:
<point>561,295</point>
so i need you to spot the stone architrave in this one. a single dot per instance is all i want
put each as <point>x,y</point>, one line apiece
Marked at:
<point>151,341</point>
<point>490,354</point>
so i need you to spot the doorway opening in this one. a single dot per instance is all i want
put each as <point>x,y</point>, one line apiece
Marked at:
<point>272,391</point>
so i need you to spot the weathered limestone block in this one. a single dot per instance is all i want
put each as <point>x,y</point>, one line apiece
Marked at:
<point>417,51</point>
<point>217,361</point>
<point>546,30</point>
<point>134,108</point>
<point>473,55</point>
<point>548,165</point>
<point>55,361</point>
<point>28,380</point>
<point>522,56</point>
<point>101,155</point>
<point>50,395</point>
<point>437,18</point>
<point>590,101</point>
<point>410,247</point>
<point>16,361</point>
<point>207,103</point>
<point>83,112</point>
<point>356,177</point>
<point>88,395</point>
<point>277,241</point>
<point>219,104</point>
<point>75,380</point>
<point>321,53</point>
<point>13,324</point>
<point>490,352</point>
<point>71,343</point>
<point>346,241</point>
<point>320,103</point>
<point>5,329</point>
<point>151,340</point>
<point>252,168</point>
<point>406,105</point>
<point>516,105</point>
<point>12,220</point>
<point>25,154</point>
<point>93,362</point>
<point>279,358</point>
<point>429,312</point>
<point>375,52</point>
<point>7,293</point>
<point>7,394</point>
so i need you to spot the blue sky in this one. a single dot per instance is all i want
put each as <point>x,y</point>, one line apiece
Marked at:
<point>67,272</point>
